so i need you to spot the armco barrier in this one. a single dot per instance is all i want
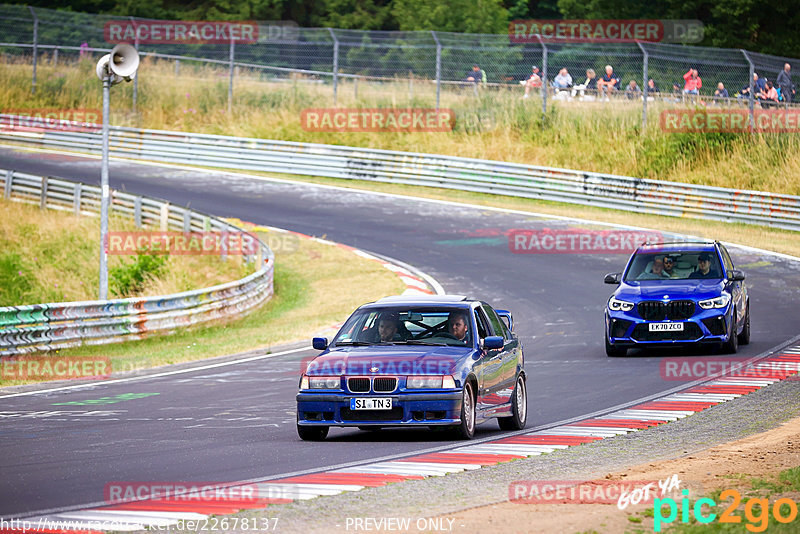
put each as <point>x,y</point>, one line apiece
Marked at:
<point>484,176</point>
<point>53,326</point>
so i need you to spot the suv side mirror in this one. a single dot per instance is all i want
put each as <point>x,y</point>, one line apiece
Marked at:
<point>736,275</point>
<point>320,343</point>
<point>612,278</point>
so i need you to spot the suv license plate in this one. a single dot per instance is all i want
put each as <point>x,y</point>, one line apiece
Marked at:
<point>371,403</point>
<point>666,327</point>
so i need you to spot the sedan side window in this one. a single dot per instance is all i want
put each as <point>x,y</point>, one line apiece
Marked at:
<point>498,325</point>
<point>481,322</point>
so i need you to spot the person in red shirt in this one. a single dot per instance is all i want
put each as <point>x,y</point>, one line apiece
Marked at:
<point>768,96</point>
<point>534,81</point>
<point>693,83</point>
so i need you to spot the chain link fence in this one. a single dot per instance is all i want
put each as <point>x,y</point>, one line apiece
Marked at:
<point>425,63</point>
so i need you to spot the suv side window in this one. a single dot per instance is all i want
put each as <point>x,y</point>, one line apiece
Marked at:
<point>498,325</point>
<point>726,259</point>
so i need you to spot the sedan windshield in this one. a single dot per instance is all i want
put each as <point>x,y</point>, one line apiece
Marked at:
<point>408,326</point>
<point>675,265</point>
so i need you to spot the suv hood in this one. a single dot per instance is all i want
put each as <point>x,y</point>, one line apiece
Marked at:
<point>675,289</point>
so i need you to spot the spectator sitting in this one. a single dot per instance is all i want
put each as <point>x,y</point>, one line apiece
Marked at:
<point>693,82</point>
<point>563,80</point>
<point>785,84</point>
<point>720,92</point>
<point>652,89</point>
<point>632,91</point>
<point>769,96</point>
<point>609,83</point>
<point>476,75</point>
<point>745,92</point>
<point>589,86</point>
<point>676,92</point>
<point>534,81</point>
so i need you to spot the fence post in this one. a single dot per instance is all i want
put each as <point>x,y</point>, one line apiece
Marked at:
<point>177,67</point>
<point>438,68</point>
<point>752,98</point>
<point>55,56</point>
<point>335,64</point>
<point>230,82</point>
<point>35,47</point>
<point>355,88</point>
<point>644,85</point>
<point>544,76</point>
<point>135,78</point>
<point>77,193</point>
<point>9,180</point>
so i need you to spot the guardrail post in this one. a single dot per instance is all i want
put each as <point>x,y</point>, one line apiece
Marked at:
<point>644,85</point>
<point>438,68</point>
<point>177,67</point>
<point>9,180</point>
<point>206,223</point>
<point>544,76</point>
<point>187,221</point>
<point>35,47</point>
<point>55,56</point>
<point>752,98</point>
<point>230,81</point>
<point>164,223</point>
<point>137,211</point>
<point>335,64</point>
<point>135,78</point>
<point>43,199</point>
<point>77,191</point>
<point>355,88</point>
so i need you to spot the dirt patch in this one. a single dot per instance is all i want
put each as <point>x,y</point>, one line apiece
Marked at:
<point>730,465</point>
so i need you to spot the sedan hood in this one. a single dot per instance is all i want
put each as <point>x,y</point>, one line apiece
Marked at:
<point>388,360</point>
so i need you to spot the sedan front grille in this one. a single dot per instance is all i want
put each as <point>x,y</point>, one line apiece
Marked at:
<point>384,384</point>
<point>358,384</point>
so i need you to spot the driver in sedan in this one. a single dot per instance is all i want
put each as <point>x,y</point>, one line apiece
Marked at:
<point>457,325</point>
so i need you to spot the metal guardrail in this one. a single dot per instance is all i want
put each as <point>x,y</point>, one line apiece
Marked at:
<point>449,172</point>
<point>42,327</point>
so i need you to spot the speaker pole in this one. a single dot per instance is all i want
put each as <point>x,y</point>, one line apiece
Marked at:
<point>105,196</point>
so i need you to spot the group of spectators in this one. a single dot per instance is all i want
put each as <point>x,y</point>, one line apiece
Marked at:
<point>765,91</point>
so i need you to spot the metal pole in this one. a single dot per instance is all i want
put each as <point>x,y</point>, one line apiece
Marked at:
<point>135,79</point>
<point>438,68</point>
<point>544,76</point>
<point>230,82</point>
<point>35,47</point>
<point>752,98</point>
<point>104,198</point>
<point>335,64</point>
<point>644,85</point>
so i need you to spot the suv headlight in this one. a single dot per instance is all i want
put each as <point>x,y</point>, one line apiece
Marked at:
<point>619,305</point>
<point>320,382</point>
<point>719,302</point>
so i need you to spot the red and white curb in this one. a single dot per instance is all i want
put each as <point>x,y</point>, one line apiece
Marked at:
<point>161,513</point>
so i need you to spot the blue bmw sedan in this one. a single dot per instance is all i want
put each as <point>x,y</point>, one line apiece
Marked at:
<point>673,294</point>
<point>434,361</point>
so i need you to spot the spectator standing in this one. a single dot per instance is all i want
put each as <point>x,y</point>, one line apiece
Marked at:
<point>609,83</point>
<point>534,81</point>
<point>693,82</point>
<point>784,81</point>
<point>632,91</point>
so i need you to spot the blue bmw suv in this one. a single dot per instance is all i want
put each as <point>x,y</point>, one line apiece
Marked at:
<point>677,294</point>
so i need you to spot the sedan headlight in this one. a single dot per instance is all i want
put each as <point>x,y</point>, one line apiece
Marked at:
<point>320,382</point>
<point>619,305</point>
<point>430,382</point>
<point>719,302</point>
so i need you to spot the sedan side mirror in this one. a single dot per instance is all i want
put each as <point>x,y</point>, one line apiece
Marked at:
<point>612,278</point>
<point>493,343</point>
<point>320,343</point>
<point>736,275</point>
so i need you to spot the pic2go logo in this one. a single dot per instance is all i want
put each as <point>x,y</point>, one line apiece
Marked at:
<point>756,511</point>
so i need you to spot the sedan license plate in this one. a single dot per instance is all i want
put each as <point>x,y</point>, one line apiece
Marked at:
<point>371,403</point>
<point>666,327</point>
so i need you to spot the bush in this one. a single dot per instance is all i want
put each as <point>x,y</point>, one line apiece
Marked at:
<point>127,280</point>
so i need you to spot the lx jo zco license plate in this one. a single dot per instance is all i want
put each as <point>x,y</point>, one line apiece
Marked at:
<point>371,403</point>
<point>666,327</point>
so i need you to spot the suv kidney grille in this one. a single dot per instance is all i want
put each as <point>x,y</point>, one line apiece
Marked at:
<point>655,310</point>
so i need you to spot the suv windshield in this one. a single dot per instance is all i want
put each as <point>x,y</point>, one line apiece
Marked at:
<point>674,265</point>
<point>403,325</point>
